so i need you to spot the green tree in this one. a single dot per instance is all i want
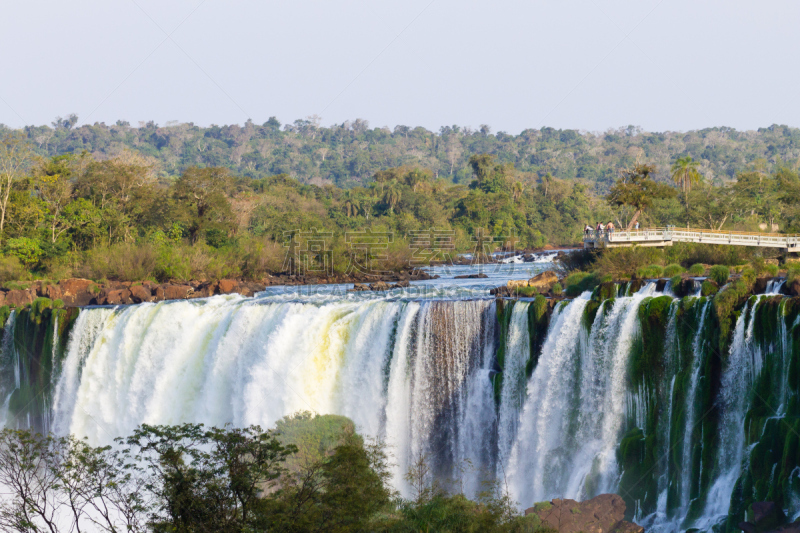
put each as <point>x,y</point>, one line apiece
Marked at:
<point>54,187</point>
<point>15,158</point>
<point>757,193</point>
<point>207,480</point>
<point>637,189</point>
<point>28,251</point>
<point>202,192</point>
<point>491,177</point>
<point>517,190</point>
<point>789,187</point>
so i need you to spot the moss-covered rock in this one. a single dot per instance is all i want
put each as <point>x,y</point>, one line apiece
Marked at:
<point>709,288</point>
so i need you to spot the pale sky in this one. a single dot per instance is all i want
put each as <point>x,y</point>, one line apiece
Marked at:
<point>592,65</point>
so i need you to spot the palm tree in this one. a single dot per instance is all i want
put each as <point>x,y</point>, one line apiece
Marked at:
<point>392,195</point>
<point>517,190</point>
<point>415,178</point>
<point>351,204</point>
<point>685,173</point>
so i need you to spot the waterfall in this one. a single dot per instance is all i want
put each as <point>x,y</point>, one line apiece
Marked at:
<point>415,374</point>
<point>774,286</point>
<point>692,413</point>
<point>737,379</point>
<point>512,395</point>
<point>642,394</point>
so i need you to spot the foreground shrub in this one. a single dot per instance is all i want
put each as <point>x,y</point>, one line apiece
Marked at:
<point>617,262</point>
<point>12,270</point>
<point>527,292</point>
<point>793,274</point>
<point>673,270</point>
<point>689,253</point>
<point>720,274</point>
<point>578,282</point>
<point>749,275</point>
<point>124,261</point>
<point>557,289</point>
<point>652,271</point>
<point>697,270</point>
<point>772,270</point>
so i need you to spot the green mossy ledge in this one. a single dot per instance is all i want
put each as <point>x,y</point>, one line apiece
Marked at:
<point>35,343</point>
<point>504,310</point>
<point>682,345</point>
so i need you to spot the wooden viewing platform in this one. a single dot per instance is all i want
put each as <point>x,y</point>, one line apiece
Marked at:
<point>666,236</point>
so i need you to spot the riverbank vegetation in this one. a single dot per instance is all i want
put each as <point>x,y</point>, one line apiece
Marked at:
<point>183,202</point>
<point>314,473</point>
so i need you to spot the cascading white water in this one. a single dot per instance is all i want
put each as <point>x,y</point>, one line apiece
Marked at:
<point>410,372</point>
<point>690,429</point>
<point>534,462</point>
<point>512,395</point>
<point>737,379</point>
<point>774,286</point>
<point>576,406</point>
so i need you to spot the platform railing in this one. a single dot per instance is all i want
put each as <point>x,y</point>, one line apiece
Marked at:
<point>671,233</point>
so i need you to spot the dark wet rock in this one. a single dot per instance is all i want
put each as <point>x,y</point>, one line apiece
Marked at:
<point>793,289</point>
<point>768,517</point>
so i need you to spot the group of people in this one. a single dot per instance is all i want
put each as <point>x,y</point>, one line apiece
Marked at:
<point>608,228</point>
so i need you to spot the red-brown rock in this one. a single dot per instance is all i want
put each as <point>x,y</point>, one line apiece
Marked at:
<point>158,293</point>
<point>140,294</point>
<point>227,286</point>
<point>53,292</point>
<point>118,297</point>
<point>177,292</point>
<point>204,290</point>
<point>19,297</point>
<point>74,286</point>
<point>603,514</point>
<point>76,292</point>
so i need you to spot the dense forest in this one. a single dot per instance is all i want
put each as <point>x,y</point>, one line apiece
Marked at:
<point>184,202</point>
<point>350,153</point>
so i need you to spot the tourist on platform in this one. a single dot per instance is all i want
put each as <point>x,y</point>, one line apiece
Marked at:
<point>636,226</point>
<point>587,230</point>
<point>610,228</point>
<point>600,228</point>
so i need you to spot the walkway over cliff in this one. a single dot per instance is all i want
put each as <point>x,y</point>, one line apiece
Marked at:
<point>666,236</point>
